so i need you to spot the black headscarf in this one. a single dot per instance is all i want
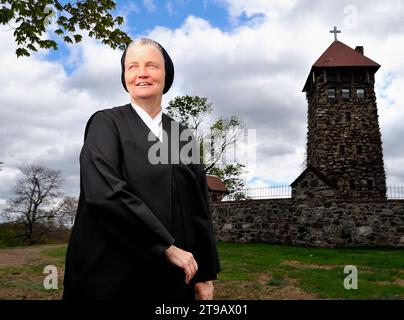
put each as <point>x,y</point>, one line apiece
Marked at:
<point>168,66</point>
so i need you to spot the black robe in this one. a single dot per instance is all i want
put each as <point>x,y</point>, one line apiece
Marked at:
<point>131,210</point>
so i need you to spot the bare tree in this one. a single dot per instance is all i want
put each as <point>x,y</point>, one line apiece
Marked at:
<point>37,201</point>
<point>68,212</point>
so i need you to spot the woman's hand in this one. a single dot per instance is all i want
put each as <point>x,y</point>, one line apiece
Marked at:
<point>183,259</point>
<point>204,290</point>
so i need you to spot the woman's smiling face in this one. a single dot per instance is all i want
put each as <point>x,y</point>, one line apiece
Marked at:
<point>144,72</point>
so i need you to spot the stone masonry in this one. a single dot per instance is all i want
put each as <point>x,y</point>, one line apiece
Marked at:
<point>340,198</point>
<point>343,140</point>
<point>331,223</point>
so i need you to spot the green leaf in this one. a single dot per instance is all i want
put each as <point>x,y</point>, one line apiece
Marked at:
<point>67,39</point>
<point>62,20</point>
<point>20,52</point>
<point>59,32</point>
<point>5,15</point>
<point>58,5</point>
<point>92,16</point>
<point>77,37</point>
<point>31,47</point>
<point>47,44</point>
<point>119,20</point>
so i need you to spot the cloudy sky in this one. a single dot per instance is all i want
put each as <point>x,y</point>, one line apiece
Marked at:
<point>249,57</point>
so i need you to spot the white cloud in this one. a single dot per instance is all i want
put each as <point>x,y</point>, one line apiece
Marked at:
<point>128,8</point>
<point>97,72</point>
<point>258,183</point>
<point>44,110</point>
<point>273,9</point>
<point>8,176</point>
<point>255,71</point>
<point>150,5</point>
<point>170,8</point>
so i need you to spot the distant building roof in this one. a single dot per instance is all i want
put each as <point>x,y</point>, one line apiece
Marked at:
<point>215,184</point>
<point>339,54</point>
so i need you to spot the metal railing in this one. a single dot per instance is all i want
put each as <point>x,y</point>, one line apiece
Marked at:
<point>285,191</point>
<point>395,192</point>
<point>275,192</point>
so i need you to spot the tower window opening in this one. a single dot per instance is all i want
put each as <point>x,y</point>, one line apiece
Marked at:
<point>342,149</point>
<point>359,150</point>
<point>347,116</point>
<point>360,93</point>
<point>345,93</point>
<point>370,185</point>
<point>331,93</point>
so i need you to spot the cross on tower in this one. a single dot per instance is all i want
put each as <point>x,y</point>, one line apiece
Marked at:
<point>335,31</point>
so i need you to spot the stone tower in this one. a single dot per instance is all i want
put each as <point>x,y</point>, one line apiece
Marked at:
<point>344,141</point>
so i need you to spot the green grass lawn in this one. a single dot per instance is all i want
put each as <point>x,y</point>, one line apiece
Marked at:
<point>249,271</point>
<point>315,271</point>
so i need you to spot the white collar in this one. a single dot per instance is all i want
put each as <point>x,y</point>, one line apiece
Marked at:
<point>154,124</point>
<point>145,116</point>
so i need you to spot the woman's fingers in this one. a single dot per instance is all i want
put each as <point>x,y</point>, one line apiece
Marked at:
<point>195,265</point>
<point>190,269</point>
<point>193,268</point>
<point>184,260</point>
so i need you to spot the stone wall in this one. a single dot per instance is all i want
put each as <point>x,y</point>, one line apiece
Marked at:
<point>330,224</point>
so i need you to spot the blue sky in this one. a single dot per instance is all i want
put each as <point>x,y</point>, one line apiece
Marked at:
<point>143,16</point>
<point>147,14</point>
<point>171,14</point>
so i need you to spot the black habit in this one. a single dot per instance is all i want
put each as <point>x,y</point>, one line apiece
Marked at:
<point>131,210</point>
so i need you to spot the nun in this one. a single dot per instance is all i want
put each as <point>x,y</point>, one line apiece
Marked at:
<point>143,227</point>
